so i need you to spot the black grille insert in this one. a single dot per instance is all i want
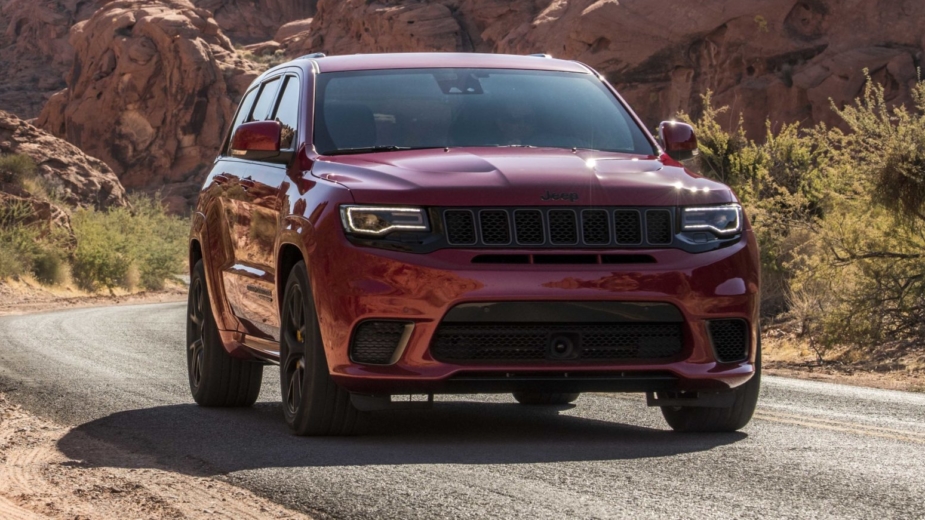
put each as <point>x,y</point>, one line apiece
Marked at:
<point>595,227</point>
<point>627,226</point>
<point>730,340</point>
<point>496,230</point>
<point>460,226</point>
<point>374,342</point>
<point>534,342</point>
<point>563,227</point>
<point>658,226</point>
<point>528,224</point>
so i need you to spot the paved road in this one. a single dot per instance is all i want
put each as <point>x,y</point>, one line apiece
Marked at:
<point>814,450</point>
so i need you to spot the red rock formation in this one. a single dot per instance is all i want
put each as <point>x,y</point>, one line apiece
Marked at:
<point>152,89</point>
<point>774,59</point>
<point>34,51</point>
<point>355,26</point>
<point>250,21</point>
<point>77,178</point>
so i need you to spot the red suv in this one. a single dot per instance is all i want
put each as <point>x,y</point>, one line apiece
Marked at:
<point>389,227</point>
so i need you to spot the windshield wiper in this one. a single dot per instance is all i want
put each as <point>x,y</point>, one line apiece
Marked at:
<point>367,149</point>
<point>515,146</point>
<point>383,148</point>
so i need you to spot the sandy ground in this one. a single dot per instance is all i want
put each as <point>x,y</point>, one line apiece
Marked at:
<point>37,481</point>
<point>892,366</point>
<point>26,296</point>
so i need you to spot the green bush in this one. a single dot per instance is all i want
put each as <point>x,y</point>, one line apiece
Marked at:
<point>839,216</point>
<point>15,168</point>
<point>17,244</point>
<point>125,246</point>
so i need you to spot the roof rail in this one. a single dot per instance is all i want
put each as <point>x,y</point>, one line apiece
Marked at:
<point>313,56</point>
<point>541,55</point>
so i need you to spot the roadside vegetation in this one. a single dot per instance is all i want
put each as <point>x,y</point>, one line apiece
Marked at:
<point>134,247</point>
<point>840,218</point>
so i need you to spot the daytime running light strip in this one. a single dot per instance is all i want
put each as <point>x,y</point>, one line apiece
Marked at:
<point>392,227</point>
<point>738,226</point>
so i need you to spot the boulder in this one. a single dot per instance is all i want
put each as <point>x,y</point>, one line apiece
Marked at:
<point>152,90</point>
<point>360,26</point>
<point>291,29</point>
<point>77,179</point>
<point>252,21</point>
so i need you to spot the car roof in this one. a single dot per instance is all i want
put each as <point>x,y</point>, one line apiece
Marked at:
<point>425,60</point>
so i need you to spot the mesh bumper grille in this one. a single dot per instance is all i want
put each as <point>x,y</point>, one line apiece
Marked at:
<point>375,342</point>
<point>730,340</point>
<point>536,342</point>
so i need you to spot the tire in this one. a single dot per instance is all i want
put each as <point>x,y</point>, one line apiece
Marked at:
<point>733,418</point>
<point>312,403</point>
<point>215,378</point>
<point>544,398</point>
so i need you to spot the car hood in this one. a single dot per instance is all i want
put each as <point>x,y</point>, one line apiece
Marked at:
<point>518,177</point>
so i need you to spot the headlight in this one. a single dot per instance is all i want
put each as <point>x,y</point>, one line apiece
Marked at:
<point>722,220</point>
<point>379,221</point>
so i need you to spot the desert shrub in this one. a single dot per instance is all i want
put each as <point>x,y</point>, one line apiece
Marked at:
<point>839,216</point>
<point>26,250</point>
<point>16,168</point>
<point>887,147</point>
<point>17,244</point>
<point>782,184</point>
<point>50,266</point>
<point>125,247</point>
<point>162,241</point>
<point>265,61</point>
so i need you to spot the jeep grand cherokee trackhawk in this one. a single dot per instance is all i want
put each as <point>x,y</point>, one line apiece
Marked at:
<point>388,227</point>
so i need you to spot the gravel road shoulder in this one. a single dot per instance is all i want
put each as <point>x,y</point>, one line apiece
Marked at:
<point>38,481</point>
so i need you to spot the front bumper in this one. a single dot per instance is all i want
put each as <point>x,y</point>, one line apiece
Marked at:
<point>352,284</point>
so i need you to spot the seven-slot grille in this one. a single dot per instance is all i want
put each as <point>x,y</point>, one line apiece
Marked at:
<point>558,227</point>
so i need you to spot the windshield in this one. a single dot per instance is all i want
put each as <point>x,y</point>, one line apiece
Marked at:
<point>362,111</point>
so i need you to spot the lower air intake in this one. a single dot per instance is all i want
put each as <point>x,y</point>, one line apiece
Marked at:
<point>730,340</point>
<point>552,342</point>
<point>375,342</point>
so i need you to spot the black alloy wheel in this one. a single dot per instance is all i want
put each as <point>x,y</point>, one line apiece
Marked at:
<point>215,378</point>
<point>312,403</point>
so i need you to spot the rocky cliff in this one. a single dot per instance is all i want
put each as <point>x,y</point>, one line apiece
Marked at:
<point>34,51</point>
<point>250,21</point>
<point>774,59</point>
<point>151,91</point>
<point>77,179</point>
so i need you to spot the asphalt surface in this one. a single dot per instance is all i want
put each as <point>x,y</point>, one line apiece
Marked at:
<point>813,450</point>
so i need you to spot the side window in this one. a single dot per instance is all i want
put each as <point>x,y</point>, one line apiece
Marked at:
<point>265,100</point>
<point>244,110</point>
<point>287,111</point>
